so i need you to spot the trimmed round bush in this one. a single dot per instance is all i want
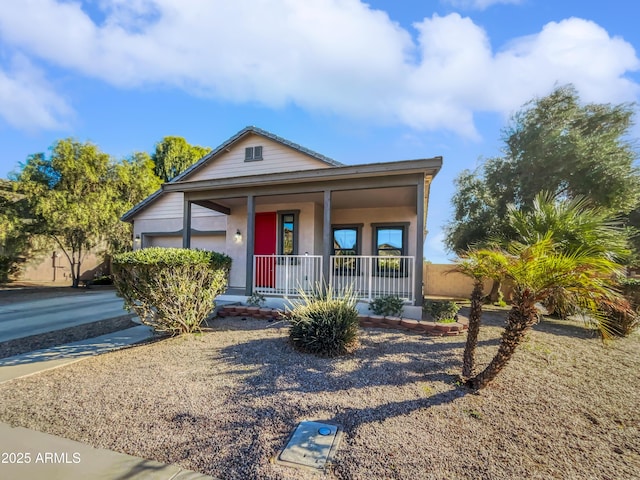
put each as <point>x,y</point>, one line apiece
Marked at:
<point>171,289</point>
<point>324,322</point>
<point>441,310</point>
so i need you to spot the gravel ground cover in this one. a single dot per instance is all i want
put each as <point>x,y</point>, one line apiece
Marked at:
<point>224,402</point>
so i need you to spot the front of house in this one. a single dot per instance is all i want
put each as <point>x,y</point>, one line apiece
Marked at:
<point>290,217</point>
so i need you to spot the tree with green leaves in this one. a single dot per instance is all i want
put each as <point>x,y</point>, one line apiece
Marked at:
<point>71,197</point>
<point>14,230</point>
<point>173,155</point>
<point>134,180</point>
<point>554,144</point>
<point>537,271</point>
<point>565,254</point>
<point>576,225</point>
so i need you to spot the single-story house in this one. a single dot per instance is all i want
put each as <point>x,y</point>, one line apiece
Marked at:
<point>290,217</point>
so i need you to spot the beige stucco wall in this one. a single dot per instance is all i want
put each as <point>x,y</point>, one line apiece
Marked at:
<point>439,282</point>
<point>41,269</point>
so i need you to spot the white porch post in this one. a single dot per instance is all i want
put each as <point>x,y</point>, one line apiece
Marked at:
<point>250,239</point>
<point>186,223</point>
<point>420,238</point>
<point>326,237</point>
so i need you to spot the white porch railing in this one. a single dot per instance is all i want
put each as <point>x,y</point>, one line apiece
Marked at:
<point>286,274</point>
<point>374,276</point>
<point>368,276</point>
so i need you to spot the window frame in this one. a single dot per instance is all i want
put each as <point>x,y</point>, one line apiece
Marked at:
<point>350,226</point>
<point>296,231</point>
<point>340,268</point>
<point>375,251</point>
<point>253,154</point>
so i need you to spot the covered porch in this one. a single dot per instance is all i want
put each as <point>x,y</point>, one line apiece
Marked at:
<point>357,227</point>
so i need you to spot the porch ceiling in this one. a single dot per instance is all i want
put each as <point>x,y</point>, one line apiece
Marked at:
<point>359,198</point>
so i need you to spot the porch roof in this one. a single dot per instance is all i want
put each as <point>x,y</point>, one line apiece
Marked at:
<point>346,173</point>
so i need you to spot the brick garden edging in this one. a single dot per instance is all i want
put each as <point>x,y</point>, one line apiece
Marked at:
<point>253,312</point>
<point>414,326</point>
<point>365,321</point>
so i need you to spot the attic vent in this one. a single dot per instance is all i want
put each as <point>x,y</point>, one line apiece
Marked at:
<point>252,154</point>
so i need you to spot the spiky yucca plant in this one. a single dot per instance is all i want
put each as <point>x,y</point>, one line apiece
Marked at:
<point>324,321</point>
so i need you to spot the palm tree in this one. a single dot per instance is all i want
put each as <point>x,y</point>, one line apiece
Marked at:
<point>576,225</point>
<point>479,265</point>
<point>583,276</point>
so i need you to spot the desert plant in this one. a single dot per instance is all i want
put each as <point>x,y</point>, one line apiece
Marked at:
<point>631,290</point>
<point>624,315</point>
<point>478,266</point>
<point>622,319</point>
<point>539,270</point>
<point>171,289</point>
<point>387,305</point>
<point>256,300</point>
<point>441,310</point>
<point>324,322</point>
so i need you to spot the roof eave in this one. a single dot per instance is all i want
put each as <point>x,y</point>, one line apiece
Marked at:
<point>429,166</point>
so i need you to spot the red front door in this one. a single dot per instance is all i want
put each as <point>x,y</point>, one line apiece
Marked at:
<point>265,244</point>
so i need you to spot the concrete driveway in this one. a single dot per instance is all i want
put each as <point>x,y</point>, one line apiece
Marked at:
<point>22,319</point>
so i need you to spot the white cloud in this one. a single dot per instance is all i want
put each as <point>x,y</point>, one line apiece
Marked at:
<point>336,56</point>
<point>481,4</point>
<point>28,101</point>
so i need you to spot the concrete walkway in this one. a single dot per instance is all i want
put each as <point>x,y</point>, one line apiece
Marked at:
<point>28,454</point>
<point>48,358</point>
<point>45,457</point>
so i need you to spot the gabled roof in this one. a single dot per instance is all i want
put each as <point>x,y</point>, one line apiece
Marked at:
<point>239,136</point>
<point>223,148</point>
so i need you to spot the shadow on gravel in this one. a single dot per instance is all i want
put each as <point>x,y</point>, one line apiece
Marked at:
<point>273,361</point>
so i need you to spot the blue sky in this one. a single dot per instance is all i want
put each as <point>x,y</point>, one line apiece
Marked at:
<point>359,82</point>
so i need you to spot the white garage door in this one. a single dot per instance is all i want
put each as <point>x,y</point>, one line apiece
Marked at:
<point>215,243</point>
<point>163,241</point>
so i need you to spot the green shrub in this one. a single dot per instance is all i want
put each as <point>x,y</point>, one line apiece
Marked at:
<point>8,267</point>
<point>324,322</point>
<point>171,289</point>
<point>102,280</point>
<point>256,300</point>
<point>387,305</point>
<point>5,268</point>
<point>441,310</point>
